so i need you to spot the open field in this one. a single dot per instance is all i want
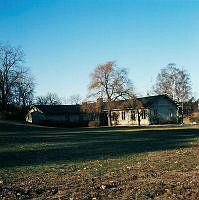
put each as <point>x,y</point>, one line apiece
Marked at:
<point>126,163</point>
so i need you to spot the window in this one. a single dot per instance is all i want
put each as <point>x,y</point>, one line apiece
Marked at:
<point>114,116</point>
<point>155,113</point>
<point>93,117</point>
<point>170,114</point>
<point>133,115</point>
<point>123,115</point>
<point>143,114</point>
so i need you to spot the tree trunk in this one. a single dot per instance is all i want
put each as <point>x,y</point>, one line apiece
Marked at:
<point>4,102</point>
<point>182,113</point>
<point>139,121</point>
<point>109,118</point>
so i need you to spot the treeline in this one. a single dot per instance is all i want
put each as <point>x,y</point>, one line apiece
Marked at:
<point>107,81</point>
<point>17,85</point>
<point>16,81</point>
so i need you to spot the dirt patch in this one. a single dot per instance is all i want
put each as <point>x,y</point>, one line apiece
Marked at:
<point>126,184</point>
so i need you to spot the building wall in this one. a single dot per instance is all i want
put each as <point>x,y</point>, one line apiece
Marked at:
<point>124,117</point>
<point>74,118</point>
<point>35,116</point>
<point>163,111</point>
<point>62,118</point>
<point>56,118</point>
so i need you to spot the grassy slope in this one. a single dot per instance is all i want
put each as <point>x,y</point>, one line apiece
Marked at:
<point>101,163</point>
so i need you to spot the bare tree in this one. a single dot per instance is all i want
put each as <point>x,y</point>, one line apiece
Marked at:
<point>53,99</point>
<point>49,99</point>
<point>110,83</point>
<point>24,90</point>
<point>11,70</point>
<point>74,99</point>
<point>174,82</point>
<point>41,100</point>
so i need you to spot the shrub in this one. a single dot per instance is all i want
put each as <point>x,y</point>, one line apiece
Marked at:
<point>94,123</point>
<point>194,119</point>
<point>12,116</point>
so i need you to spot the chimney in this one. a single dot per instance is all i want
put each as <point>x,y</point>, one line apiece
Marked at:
<point>99,101</point>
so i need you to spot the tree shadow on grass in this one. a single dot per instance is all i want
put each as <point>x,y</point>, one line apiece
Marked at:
<point>60,146</point>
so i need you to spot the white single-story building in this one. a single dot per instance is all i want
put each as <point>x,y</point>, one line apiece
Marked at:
<point>158,109</point>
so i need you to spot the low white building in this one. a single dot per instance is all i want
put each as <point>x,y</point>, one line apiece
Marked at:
<point>158,109</point>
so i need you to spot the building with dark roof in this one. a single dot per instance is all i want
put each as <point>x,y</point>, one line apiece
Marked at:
<point>158,109</point>
<point>55,114</point>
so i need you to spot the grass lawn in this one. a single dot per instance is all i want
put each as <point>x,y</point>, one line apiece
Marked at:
<point>99,163</point>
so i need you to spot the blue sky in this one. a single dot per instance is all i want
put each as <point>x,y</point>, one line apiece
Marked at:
<point>65,39</point>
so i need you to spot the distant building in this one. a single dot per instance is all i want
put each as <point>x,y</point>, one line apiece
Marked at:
<point>56,114</point>
<point>158,109</point>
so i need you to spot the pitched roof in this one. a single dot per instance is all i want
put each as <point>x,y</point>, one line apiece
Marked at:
<point>76,109</point>
<point>59,109</point>
<point>148,101</point>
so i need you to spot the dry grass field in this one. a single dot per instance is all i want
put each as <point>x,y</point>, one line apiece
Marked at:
<point>127,163</point>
